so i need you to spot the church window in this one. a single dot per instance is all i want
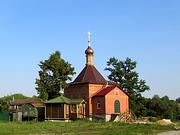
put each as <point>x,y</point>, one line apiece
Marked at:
<point>117,106</point>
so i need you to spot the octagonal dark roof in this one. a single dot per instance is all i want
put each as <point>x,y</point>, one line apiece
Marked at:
<point>90,75</point>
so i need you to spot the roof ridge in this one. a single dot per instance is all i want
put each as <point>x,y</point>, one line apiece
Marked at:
<point>98,73</point>
<point>85,72</point>
<point>94,74</point>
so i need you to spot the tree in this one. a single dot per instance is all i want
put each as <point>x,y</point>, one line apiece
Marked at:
<point>178,105</point>
<point>53,76</point>
<point>123,73</point>
<point>163,107</point>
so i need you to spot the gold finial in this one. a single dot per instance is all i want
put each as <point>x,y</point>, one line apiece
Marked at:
<point>89,36</point>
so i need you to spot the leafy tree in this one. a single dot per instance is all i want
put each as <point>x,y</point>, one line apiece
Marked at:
<point>162,107</point>
<point>0,106</point>
<point>157,107</point>
<point>53,76</point>
<point>123,73</point>
<point>141,106</point>
<point>178,107</point>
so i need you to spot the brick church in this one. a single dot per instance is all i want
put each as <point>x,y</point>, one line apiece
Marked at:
<point>89,96</point>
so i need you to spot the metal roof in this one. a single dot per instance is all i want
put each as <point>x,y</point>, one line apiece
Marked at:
<point>105,91</point>
<point>108,89</point>
<point>33,101</point>
<point>62,99</point>
<point>90,75</point>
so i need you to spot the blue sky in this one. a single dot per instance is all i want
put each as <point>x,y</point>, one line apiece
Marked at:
<point>146,31</point>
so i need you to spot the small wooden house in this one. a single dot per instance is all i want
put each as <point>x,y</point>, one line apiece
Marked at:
<point>27,109</point>
<point>62,108</point>
<point>19,102</point>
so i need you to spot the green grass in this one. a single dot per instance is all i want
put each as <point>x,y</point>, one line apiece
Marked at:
<point>80,128</point>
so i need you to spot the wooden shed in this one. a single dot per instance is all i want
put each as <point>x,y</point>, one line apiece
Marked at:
<point>62,108</point>
<point>27,109</point>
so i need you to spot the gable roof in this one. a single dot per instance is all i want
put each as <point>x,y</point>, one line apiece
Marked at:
<point>90,75</point>
<point>106,90</point>
<point>62,99</point>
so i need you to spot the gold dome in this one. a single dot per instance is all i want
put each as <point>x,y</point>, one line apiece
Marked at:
<point>89,50</point>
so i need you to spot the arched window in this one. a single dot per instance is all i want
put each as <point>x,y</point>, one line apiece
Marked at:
<point>117,106</point>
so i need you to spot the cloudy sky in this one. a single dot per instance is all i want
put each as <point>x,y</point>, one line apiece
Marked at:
<point>146,31</point>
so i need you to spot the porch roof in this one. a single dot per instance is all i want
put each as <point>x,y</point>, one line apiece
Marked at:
<point>62,99</point>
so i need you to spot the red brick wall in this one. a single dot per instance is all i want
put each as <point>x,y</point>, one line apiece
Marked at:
<point>87,91</point>
<point>95,101</point>
<point>83,91</point>
<point>93,89</point>
<point>79,91</point>
<point>111,97</point>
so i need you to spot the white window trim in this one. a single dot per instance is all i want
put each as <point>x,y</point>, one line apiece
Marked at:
<point>98,105</point>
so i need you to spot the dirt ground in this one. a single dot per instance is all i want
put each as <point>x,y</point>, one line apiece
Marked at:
<point>170,133</point>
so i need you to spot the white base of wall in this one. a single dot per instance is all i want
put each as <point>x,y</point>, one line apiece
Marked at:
<point>104,117</point>
<point>107,117</point>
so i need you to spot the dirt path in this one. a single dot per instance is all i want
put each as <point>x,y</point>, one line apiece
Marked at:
<point>170,133</point>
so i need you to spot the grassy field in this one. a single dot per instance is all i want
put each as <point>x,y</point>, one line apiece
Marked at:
<point>79,128</point>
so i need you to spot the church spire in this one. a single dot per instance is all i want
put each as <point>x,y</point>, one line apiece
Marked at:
<point>89,52</point>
